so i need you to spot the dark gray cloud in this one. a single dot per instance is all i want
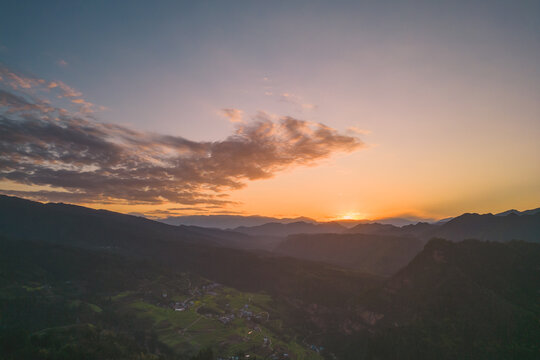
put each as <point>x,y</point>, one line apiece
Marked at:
<point>88,161</point>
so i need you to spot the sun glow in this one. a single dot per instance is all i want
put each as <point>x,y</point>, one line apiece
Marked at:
<point>352,216</point>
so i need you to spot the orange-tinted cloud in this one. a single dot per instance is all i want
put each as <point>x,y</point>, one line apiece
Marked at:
<point>358,131</point>
<point>234,115</point>
<point>68,91</point>
<point>297,101</point>
<point>89,161</point>
<point>18,81</point>
<point>86,107</point>
<point>31,86</point>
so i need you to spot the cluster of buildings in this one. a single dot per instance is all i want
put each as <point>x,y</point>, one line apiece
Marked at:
<point>209,288</point>
<point>316,348</point>
<point>245,313</point>
<point>186,304</point>
<point>225,319</point>
<point>182,306</point>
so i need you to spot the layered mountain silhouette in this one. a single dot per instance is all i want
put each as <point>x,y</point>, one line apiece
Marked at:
<point>228,221</point>
<point>491,227</point>
<point>374,248</point>
<point>441,299</point>
<point>299,227</point>
<point>235,221</point>
<point>383,249</point>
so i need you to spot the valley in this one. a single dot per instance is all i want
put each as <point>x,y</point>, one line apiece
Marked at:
<point>177,297</point>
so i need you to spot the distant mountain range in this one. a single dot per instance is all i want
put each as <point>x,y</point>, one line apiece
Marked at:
<point>370,247</point>
<point>243,222</point>
<point>299,227</point>
<point>383,248</point>
<point>509,225</point>
<point>400,221</point>
<point>228,221</point>
<point>504,213</point>
<point>236,221</point>
<point>467,226</point>
<point>517,212</point>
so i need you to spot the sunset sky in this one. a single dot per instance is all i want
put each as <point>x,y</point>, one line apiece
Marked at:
<point>368,109</point>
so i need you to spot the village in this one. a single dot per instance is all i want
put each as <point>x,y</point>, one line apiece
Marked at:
<point>253,317</point>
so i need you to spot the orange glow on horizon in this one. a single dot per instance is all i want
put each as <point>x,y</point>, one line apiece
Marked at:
<point>351,216</point>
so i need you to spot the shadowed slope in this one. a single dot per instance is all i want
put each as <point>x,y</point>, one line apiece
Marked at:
<point>382,255</point>
<point>80,226</point>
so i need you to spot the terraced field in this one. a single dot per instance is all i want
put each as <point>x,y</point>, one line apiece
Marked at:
<point>190,319</point>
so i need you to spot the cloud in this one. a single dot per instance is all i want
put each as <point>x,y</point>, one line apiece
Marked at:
<point>189,209</point>
<point>62,63</point>
<point>67,91</point>
<point>17,81</point>
<point>357,131</point>
<point>86,107</point>
<point>297,101</point>
<point>30,86</point>
<point>234,115</point>
<point>89,161</point>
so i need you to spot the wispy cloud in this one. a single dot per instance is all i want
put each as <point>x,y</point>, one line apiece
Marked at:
<point>234,115</point>
<point>187,208</point>
<point>297,101</point>
<point>36,88</point>
<point>62,63</point>
<point>17,81</point>
<point>65,90</point>
<point>357,131</point>
<point>89,161</point>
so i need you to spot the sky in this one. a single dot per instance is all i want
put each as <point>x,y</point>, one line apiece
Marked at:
<point>326,109</point>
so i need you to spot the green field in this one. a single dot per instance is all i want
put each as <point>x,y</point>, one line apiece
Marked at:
<point>199,326</point>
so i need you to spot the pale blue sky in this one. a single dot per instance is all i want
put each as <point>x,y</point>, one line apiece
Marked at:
<point>432,81</point>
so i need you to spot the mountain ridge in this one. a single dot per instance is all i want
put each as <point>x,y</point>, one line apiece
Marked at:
<point>280,229</point>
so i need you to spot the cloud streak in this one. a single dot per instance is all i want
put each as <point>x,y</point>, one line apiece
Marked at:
<point>89,161</point>
<point>296,101</point>
<point>32,86</point>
